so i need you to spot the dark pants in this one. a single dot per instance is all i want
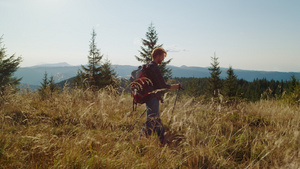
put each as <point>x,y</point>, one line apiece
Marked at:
<point>153,122</point>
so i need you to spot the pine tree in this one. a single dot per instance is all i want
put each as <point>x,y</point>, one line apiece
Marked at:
<point>230,87</point>
<point>44,85</point>
<point>215,83</point>
<point>293,94</point>
<point>149,44</point>
<point>95,75</point>
<point>292,84</point>
<point>93,70</point>
<point>108,75</point>
<point>48,87</point>
<point>8,65</point>
<point>79,80</point>
<point>45,82</point>
<point>52,86</point>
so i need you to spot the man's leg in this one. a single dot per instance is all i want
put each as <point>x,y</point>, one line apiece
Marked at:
<point>160,130</point>
<point>152,114</point>
<point>153,107</point>
<point>153,119</point>
<point>152,111</point>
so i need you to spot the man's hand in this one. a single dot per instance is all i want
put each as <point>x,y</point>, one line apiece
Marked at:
<point>179,86</point>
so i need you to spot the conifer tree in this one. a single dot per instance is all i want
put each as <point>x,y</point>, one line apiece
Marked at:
<point>293,94</point>
<point>45,82</point>
<point>79,80</point>
<point>292,84</point>
<point>108,75</point>
<point>149,44</point>
<point>8,65</point>
<point>92,72</point>
<point>47,86</point>
<point>52,86</point>
<point>215,83</point>
<point>230,87</point>
<point>96,74</point>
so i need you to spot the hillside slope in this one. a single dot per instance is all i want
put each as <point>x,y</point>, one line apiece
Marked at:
<point>80,129</point>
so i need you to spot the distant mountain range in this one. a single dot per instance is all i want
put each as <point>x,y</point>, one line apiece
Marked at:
<point>61,71</point>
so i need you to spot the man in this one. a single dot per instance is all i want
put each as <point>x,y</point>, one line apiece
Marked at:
<point>153,122</point>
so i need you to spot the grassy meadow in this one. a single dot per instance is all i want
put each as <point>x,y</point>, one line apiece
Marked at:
<point>81,129</point>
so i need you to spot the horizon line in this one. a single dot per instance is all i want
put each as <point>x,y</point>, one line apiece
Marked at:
<point>69,65</point>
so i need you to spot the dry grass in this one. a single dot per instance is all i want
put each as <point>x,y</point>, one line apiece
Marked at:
<point>80,129</point>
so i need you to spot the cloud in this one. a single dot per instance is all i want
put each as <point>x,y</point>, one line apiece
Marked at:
<point>175,48</point>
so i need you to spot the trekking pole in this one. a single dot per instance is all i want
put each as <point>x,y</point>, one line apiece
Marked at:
<point>138,119</point>
<point>175,101</point>
<point>180,88</point>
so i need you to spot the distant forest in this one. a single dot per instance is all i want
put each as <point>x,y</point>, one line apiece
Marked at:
<point>251,91</point>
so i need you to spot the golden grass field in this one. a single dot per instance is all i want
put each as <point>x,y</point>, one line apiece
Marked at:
<point>82,129</point>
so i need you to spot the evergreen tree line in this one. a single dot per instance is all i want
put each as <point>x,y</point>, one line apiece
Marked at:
<point>95,75</point>
<point>233,88</point>
<point>98,74</point>
<point>251,91</point>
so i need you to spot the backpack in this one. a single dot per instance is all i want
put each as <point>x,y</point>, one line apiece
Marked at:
<point>140,85</point>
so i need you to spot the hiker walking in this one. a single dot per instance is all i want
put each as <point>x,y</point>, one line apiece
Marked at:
<point>153,122</point>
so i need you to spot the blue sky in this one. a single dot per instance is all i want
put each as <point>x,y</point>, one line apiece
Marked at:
<point>251,35</point>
